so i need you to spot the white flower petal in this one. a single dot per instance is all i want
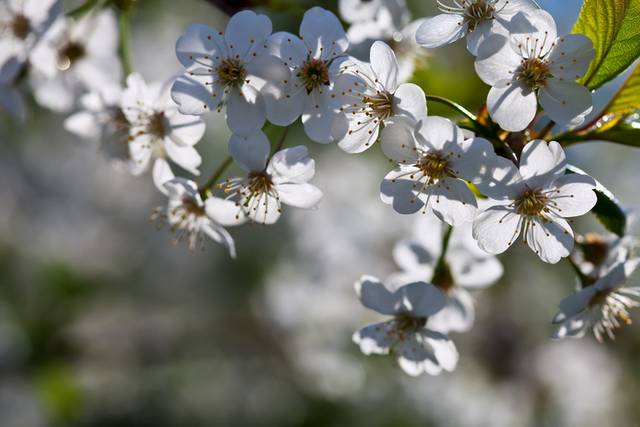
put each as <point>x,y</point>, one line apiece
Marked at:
<point>574,196</point>
<point>250,152</point>
<point>323,34</point>
<point>263,209</point>
<point>375,296</point>
<point>220,235</point>
<point>415,358</point>
<point>363,133</point>
<point>200,45</point>
<point>453,202</point>
<point>571,56</point>
<point>440,30</point>
<point>301,195</point>
<point>541,163</point>
<point>384,65</point>
<point>84,125</point>
<point>512,105</point>
<point>436,133</point>
<point>162,174</point>
<point>398,141</point>
<point>443,348</point>
<point>398,190</point>
<point>574,304</point>
<point>419,299</point>
<point>194,98</point>
<point>185,129</point>
<point>246,33</point>
<point>409,100</point>
<point>550,240</point>
<point>292,165</point>
<point>457,316</point>
<point>286,110</point>
<point>496,228</point>
<point>412,256</point>
<point>288,47</point>
<point>375,339</point>
<point>564,101</point>
<point>496,60</point>
<point>246,112</point>
<point>185,156</point>
<point>223,211</point>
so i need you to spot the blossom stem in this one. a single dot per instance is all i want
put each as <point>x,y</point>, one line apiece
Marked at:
<point>124,50</point>
<point>545,130</point>
<point>216,175</point>
<point>454,105</point>
<point>83,9</point>
<point>441,272</point>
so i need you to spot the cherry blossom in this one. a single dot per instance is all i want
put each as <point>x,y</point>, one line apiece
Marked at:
<point>73,56</point>
<point>158,131</point>
<point>314,60</point>
<point>229,69</point>
<point>602,307</point>
<point>417,348</point>
<point>373,97</point>
<point>433,159</point>
<point>534,200</point>
<point>191,218</point>
<point>475,19</point>
<point>270,183</point>
<point>534,65</point>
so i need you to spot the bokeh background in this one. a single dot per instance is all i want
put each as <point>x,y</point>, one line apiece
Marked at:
<point>105,323</point>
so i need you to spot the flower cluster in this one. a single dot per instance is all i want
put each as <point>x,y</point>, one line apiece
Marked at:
<point>474,192</point>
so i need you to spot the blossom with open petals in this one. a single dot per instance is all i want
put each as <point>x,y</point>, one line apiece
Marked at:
<point>158,132</point>
<point>417,348</point>
<point>534,65</point>
<point>270,182</point>
<point>602,307</point>
<point>314,60</point>
<point>534,200</point>
<point>474,19</point>
<point>433,160</point>
<point>373,97</point>
<point>73,56</point>
<point>229,69</point>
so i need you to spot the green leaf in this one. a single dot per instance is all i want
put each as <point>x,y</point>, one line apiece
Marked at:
<point>607,208</point>
<point>611,128</point>
<point>628,97</point>
<point>614,28</point>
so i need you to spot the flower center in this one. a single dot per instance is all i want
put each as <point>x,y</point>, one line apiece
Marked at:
<point>405,323</point>
<point>20,26</point>
<point>231,72</point>
<point>190,207</point>
<point>69,54</point>
<point>314,73</point>
<point>531,203</point>
<point>379,105</point>
<point>594,248</point>
<point>433,165</point>
<point>477,12</point>
<point>259,183</point>
<point>534,72</point>
<point>156,126</point>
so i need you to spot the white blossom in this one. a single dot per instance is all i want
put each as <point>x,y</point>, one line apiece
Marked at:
<point>534,200</point>
<point>596,254</point>
<point>158,132</point>
<point>190,218</point>
<point>433,159</point>
<point>270,182</point>
<point>373,97</point>
<point>466,268</point>
<point>229,69</point>
<point>314,60</point>
<point>22,24</point>
<point>73,56</point>
<point>534,65</point>
<point>602,307</point>
<point>102,120</point>
<point>418,349</point>
<point>474,19</point>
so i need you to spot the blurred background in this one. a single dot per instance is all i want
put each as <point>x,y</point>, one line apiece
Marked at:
<point>105,323</point>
